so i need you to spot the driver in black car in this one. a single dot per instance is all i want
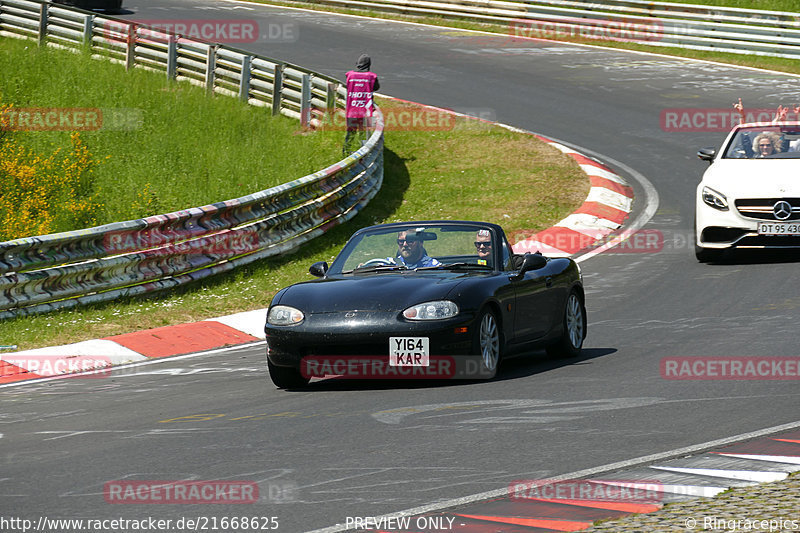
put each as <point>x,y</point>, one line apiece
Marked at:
<point>411,253</point>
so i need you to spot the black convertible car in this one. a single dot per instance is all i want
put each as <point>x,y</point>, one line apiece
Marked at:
<point>110,6</point>
<point>414,294</point>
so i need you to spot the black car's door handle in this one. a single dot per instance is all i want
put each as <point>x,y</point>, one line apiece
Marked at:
<point>548,281</point>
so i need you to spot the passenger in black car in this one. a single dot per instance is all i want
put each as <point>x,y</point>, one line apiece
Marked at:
<point>483,244</point>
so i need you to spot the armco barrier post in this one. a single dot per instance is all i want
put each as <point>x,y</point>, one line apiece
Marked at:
<point>277,89</point>
<point>172,58</point>
<point>88,25</point>
<point>43,14</point>
<point>130,47</point>
<point>305,101</point>
<point>211,66</point>
<point>330,98</point>
<point>244,80</point>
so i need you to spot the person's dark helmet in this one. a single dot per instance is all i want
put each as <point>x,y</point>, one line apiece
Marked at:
<point>364,63</point>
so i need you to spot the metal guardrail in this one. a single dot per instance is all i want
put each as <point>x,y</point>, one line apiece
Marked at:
<point>288,89</point>
<point>62,270</point>
<point>742,31</point>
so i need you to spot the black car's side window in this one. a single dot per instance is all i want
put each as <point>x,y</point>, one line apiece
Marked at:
<point>505,249</point>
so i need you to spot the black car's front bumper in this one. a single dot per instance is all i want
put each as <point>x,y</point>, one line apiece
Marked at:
<point>364,334</point>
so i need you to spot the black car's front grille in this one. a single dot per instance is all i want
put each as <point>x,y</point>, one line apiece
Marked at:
<point>764,208</point>
<point>349,349</point>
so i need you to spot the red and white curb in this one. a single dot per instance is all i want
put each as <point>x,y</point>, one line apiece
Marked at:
<point>605,209</point>
<point>607,206</point>
<point>231,330</point>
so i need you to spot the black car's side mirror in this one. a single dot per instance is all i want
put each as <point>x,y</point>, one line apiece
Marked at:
<point>707,154</point>
<point>530,262</point>
<point>318,269</point>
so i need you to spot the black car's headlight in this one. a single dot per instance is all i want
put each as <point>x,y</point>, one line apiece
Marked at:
<point>436,310</point>
<point>283,315</point>
<point>715,199</point>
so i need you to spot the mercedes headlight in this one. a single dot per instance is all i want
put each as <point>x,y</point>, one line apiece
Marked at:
<point>432,310</point>
<point>715,199</point>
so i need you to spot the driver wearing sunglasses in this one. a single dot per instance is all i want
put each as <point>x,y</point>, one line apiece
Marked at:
<point>411,253</point>
<point>483,245</point>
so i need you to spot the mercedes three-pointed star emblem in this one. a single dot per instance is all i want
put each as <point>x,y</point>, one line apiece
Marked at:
<point>782,210</point>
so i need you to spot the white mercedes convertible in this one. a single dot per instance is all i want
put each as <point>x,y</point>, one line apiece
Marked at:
<point>750,195</point>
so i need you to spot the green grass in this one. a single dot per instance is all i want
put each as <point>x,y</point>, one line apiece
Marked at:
<point>472,171</point>
<point>763,62</point>
<point>791,6</point>
<point>186,148</point>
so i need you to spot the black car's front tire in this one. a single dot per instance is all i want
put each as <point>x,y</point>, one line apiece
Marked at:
<point>488,340</point>
<point>574,324</point>
<point>286,377</point>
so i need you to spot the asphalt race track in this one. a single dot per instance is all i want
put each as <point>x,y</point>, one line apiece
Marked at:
<point>347,449</point>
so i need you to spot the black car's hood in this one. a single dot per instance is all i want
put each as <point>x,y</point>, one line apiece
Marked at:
<point>392,291</point>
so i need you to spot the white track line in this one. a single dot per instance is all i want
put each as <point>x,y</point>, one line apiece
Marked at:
<point>579,474</point>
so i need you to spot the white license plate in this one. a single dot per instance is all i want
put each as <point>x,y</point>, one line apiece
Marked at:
<point>778,228</point>
<point>409,351</point>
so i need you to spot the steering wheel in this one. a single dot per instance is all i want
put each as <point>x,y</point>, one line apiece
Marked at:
<point>378,261</point>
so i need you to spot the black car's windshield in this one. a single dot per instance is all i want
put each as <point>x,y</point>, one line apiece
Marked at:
<point>765,142</point>
<point>425,247</point>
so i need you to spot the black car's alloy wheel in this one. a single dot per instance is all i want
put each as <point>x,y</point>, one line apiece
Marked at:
<point>488,340</point>
<point>285,377</point>
<point>571,341</point>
